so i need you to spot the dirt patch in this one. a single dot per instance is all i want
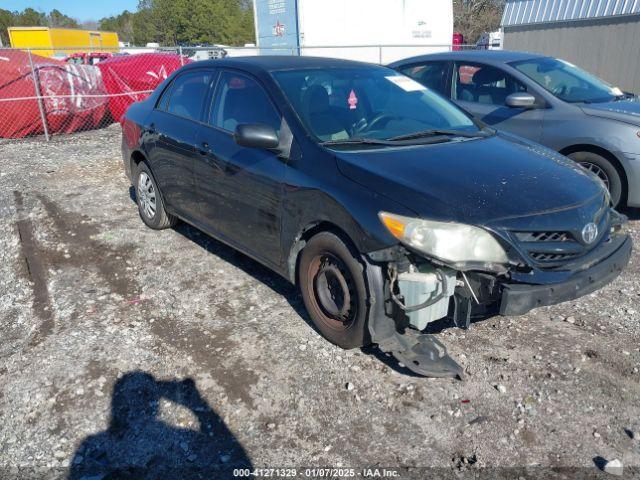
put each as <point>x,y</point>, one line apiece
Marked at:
<point>215,352</point>
<point>78,232</point>
<point>35,271</point>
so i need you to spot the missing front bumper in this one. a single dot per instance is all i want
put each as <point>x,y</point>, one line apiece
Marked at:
<point>518,299</point>
<point>425,355</point>
<point>421,353</point>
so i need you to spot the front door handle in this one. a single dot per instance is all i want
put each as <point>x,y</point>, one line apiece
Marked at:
<point>211,158</point>
<point>204,149</point>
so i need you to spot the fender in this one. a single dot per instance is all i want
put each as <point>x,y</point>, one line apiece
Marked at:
<point>348,208</point>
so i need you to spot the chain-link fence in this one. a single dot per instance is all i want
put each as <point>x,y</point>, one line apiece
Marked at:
<point>83,90</point>
<point>77,90</point>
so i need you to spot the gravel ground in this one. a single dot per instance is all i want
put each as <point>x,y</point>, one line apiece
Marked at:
<point>167,354</point>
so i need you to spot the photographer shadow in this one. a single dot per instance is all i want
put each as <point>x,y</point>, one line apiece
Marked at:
<point>139,445</point>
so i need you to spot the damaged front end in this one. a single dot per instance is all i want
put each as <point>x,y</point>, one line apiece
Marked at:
<point>419,289</point>
<point>415,294</point>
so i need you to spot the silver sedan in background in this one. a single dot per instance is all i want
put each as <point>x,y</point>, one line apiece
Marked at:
<point>549,101</point>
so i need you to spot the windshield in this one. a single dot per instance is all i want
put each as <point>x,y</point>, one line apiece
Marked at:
<point>566,81</point>
<point>367,103</point>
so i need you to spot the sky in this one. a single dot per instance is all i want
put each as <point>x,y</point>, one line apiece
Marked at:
<point>80,9</point>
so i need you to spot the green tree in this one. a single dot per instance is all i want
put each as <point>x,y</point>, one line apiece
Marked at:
<point>57,19</point>
<point>121,24</point>
<point>175,22</point>
<point>144,28</point>
<point>30,18</point>
<point>169,22</point>
<point>6,20</point>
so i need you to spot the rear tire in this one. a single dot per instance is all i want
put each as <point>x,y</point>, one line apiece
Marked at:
<point>149,199</point>
<point>334,291</point>
<point>603,169</point>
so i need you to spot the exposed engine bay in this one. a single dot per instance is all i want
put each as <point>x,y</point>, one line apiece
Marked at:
<point>418,292</point>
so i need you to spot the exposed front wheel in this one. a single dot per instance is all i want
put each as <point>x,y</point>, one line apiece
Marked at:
<point>604,170</point>
<point>149,199</point>
<point>333,288</point>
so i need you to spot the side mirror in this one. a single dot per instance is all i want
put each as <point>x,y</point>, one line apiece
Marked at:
<point>256,135</point>
<point>521,100</point>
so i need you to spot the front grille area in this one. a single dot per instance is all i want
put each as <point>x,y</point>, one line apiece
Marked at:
<point>544,236</point>
<point>554,248</point>
<point>551,257</point>
<point>549,249</point>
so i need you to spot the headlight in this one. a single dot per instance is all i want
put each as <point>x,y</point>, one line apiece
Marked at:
<point>453,243</point>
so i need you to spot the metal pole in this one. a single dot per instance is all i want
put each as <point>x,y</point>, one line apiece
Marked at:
<point>380,54</point>
<point>36,84</point>
<point>180,53</point>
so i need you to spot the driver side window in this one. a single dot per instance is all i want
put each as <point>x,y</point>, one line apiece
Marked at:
<point>240,100</point>
<point>484,84</point>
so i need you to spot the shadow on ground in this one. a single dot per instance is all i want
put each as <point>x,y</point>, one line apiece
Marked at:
<point>139,445</point>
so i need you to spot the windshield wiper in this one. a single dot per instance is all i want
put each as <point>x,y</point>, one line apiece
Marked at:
<point>406,140</point>
<point>359,141</point>
<point>439,133</point>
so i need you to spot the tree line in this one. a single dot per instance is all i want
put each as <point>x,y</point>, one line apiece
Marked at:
<point>33,18</point>
<point>168,22</point>
<point>185,22</point>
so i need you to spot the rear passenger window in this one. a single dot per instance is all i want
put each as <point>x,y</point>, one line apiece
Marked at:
<point>484,84</point>
<point>432,75</point>
<point>163,103</point>
<point>187,95</point>
<point>240,100</point>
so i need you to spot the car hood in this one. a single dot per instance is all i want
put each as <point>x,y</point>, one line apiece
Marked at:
<point>479,181</point>
<point>624,111</point>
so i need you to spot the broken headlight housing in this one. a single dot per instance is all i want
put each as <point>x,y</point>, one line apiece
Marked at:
<point>459,245</point>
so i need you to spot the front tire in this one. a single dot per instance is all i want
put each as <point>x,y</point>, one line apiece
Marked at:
<point>333,288</point>
<point>604,170</point>
<point>151,205</point>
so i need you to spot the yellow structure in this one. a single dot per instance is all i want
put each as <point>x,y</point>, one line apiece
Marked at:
<point>61,42</point>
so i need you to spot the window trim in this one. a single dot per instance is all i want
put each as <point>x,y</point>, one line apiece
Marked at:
<point>165,92</point>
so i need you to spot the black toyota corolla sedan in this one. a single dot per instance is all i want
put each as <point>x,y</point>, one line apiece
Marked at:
<point>390,207</point>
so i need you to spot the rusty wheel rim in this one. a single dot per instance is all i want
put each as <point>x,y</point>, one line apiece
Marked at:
<point>332,293</point>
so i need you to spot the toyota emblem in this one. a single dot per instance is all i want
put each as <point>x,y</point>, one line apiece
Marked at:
<point>590,233</point>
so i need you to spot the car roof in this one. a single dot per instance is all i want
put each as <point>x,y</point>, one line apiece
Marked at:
<point>269,63</point>
<point>486,56</point>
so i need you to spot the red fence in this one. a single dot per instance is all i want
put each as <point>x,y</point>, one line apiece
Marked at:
<point>42,95</point>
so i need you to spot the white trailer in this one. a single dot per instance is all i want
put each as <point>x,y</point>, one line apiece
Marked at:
<point>379,31</point>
